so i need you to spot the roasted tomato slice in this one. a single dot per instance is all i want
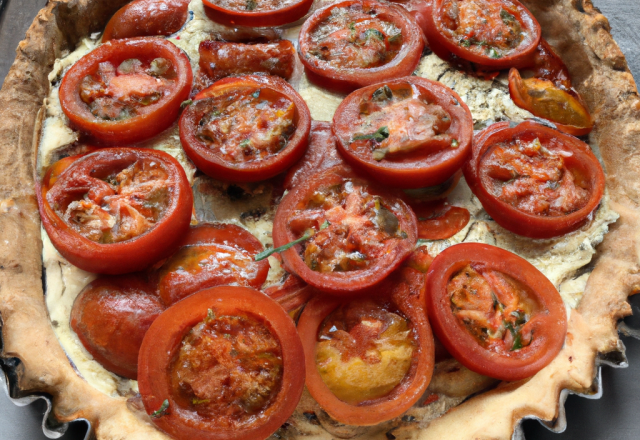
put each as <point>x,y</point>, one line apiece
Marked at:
<point>212,255</point>
<point>320,155</point>
<point>410,132</point>
<point>349,233</point>
<point>117,210</point>
<point>223,363</point>
<point>256,13</point>
<point>533,180</point>
<point>437,220</point>
<point>126,90</point>
<point>356,43</point>
<point>494,311</point>
<point>111,316</point>
<point>219,59</point>
<point>147,18</point>
<point>493,34</point>
<point>246,129</point>
<point>369,360</point>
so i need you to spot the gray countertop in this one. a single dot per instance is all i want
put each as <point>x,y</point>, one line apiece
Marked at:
<point>614,416</point>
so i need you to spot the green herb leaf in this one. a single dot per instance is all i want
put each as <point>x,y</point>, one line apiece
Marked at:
<point>210,315</point>
<point>245,143</point>
<point>264,254</point>
<point>325,225</point>
<point>465,43</point>
<point>373,33</point>
<point>162,410</point>
<point>379,135</point>
<point>256,94</point>
<point>186,103</point>
<point>455,143</point>
<point>199,401</point>
<point>251,5</point>
<point>493,53</point>
<point>507,17</point>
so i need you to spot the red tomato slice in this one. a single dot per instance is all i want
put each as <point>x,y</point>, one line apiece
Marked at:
<point>493,34</point>
<point>126,90</point>
<point>246,129</point>
<point>111,316</point>
<point>409,132</point>
<point>256,13</point>
<point>351,234</point>
<point>292,294</point>
<point>364,42</point>
<point>147,18</point>
<point>117,210</point>
<point>320,155</point>
<point>438,220</point>
<point>212,255</point>
<point>494,311</point>
<point>207,390</point>
<point>533,180</point>
<point>340,337</point>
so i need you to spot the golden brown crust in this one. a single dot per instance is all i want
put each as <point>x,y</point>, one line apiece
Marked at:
<point>581,36</point>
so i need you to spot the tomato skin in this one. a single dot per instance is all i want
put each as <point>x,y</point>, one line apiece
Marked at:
<point>155,118</point>
<point>447,49</point>
<point>526,224</point>
<point>163,340</point>
<point>215,166</point>
<point>341,283</point>
<point>142,18</point>
<point>173,287</point>
<point>129,255</point>
<point>550,327</point>
<point>276,17</point>
<point>345,80</point>
<point>406,290</point>
<point>439,221</point>
<point>111,316</point>
<point>320,155</point>
<point>414,170</point>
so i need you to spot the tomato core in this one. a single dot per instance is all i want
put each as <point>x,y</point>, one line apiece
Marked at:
<point>122,205</point>
<point>228,368</point>
<point>533,179</point>
<point>364,351</point>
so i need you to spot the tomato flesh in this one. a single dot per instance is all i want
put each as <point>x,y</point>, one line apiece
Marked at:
<point>484,27</point>
<point>493,307</point>
<point>115,93</point>
<point>358,226</point>
<point>364,351</point>
<point>439,220</point>
<point>399,119</point>
<point>122,206</point>
<point>228,368</point>
<point>533,179</point>
<point>247,125</point>
<point>351,37</point>
<point>253,5</point>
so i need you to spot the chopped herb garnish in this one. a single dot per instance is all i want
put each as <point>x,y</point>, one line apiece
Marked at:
<point>245,143</point>
<point>517,338</point>
<point>196,401</point>
<point>325,225</point>
<point>382,94</point>
<point>493,53</point>
<point>373,33</point>
<point>162,410</point>
<point>380,153</point>
<point>210,315</point>
<point>352,27</point>
<point>264,254</point>
<point>186,103</point>
<point>465,43</point>
<point>455,143</point>
<point>379,135</point>
<point>256,94</point>
<point>251,5</point>
<point>506,17</point>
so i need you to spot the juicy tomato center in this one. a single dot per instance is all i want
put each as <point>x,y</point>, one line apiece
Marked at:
<point>121,92</point>
<point>398,120</point>
<point>486,27</point>
<point>353,37</point>
<point>364,351</point>
<point>493,307</point>
<point>349,228</point>
<point>228,368</point>
<point>195,267</point>
<point>253,5</point>
<point>248,124</point>
<point>534,179</point>
<point>118,207</point>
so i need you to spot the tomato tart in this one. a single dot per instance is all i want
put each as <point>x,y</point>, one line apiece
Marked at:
<point>360,265</point>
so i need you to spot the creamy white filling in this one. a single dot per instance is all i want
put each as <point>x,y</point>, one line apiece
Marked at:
<point>559,259</point>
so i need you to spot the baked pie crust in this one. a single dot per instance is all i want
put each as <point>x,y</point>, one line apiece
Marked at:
<point>578,32</point>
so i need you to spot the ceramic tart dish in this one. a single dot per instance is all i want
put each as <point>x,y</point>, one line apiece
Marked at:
<point>37,365</point>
